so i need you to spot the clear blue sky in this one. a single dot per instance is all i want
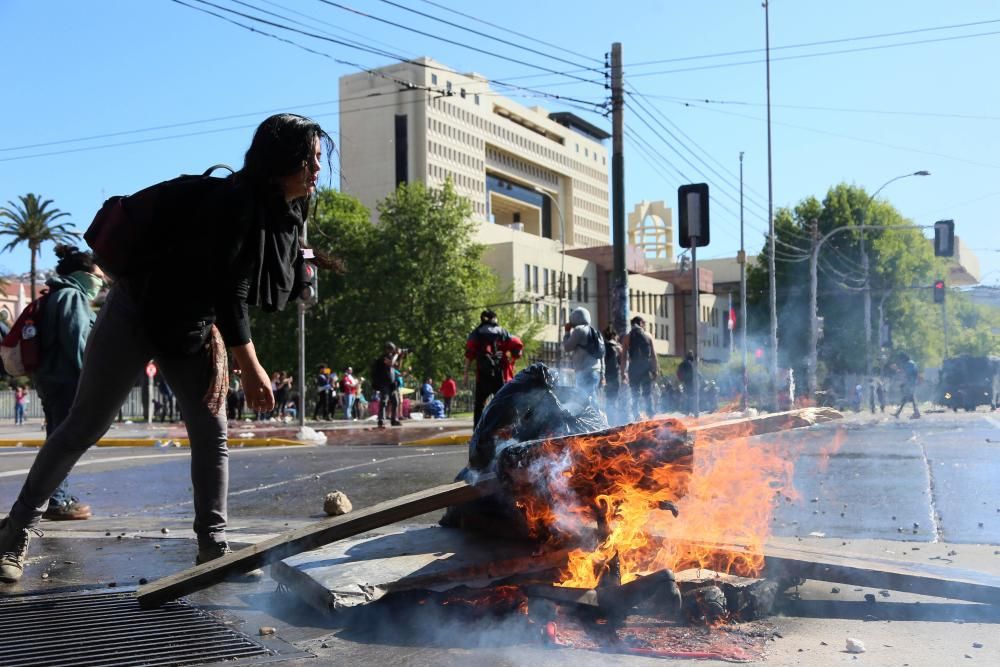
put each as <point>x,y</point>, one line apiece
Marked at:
<point>860,113</point>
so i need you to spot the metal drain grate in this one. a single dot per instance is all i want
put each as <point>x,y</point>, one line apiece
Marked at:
<point>108,629</point>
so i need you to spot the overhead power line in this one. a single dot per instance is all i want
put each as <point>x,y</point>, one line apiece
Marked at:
<point>491,37</point>
<point>826,42</point>
<point>847,136</point>
<point>363,48</point>
<point>886,112</point>
<point>732,178</point>
<point>816,55</point>
<point>459,44</point>
<point>514,32</point>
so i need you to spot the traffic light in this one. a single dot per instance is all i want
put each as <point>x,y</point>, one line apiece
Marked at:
<point>692,211</point>
<point>308,280</point>
<point>944,238</point>
<point>938,291</point>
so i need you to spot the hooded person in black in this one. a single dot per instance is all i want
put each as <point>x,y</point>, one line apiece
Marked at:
<point>222,244</point>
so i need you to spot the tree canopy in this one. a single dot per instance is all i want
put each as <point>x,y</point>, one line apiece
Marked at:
<point>415,278</point>
<point>902,268</point>
<point>32,222</point>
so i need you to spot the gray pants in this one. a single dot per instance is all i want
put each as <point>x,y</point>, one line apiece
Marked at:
<point>117,351</point>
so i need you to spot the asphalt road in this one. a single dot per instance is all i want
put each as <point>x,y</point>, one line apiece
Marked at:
<point>925,484</point>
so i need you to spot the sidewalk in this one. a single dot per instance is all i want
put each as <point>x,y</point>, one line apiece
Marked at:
<point>417,432</point>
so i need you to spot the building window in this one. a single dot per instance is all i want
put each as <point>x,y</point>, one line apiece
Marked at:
<point>434,79</point>
<point>477,99</point>
<point>536,278</point>
<point>586,289</point>
<point>545,282</point>
<point>527,277</point>
<point>579,288</point>
<point>462,93</point>
<point>447,86</point>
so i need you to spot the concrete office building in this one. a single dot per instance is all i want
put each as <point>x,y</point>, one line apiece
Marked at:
<point>540,172</point>
<point>537,182</point>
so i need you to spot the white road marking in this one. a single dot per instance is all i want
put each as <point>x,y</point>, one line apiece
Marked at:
<point>994,422</point>
<point>88,462</point>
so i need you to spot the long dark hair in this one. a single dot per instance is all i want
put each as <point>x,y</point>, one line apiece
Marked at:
<point>281,146</point>
<point>73,259</point>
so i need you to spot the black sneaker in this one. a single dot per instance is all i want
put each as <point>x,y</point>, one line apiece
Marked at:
<point>13,550</point>
<point>396,422</point>
<point>209,551</point>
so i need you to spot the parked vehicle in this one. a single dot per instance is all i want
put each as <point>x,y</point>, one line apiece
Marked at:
<point>968,382</point>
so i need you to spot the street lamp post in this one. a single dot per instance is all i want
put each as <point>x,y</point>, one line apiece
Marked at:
<point>562,265</point>
<point>864,268</point>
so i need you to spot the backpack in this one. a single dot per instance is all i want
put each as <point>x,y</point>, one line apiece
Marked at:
<point>123,235</point>
<point>595,344</point>
<point>21,348</point>
<point>489,364</point>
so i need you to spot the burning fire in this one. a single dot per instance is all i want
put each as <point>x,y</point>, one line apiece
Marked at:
<point>622,487</point>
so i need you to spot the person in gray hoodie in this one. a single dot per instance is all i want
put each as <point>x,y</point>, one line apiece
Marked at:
<point>585,345</point>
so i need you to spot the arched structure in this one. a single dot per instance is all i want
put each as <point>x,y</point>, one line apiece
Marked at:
<point>650,227</point>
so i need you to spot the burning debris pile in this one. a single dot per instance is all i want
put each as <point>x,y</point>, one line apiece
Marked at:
<point>628,505</point>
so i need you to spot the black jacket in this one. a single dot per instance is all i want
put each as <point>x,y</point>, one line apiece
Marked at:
<point>202,272</point>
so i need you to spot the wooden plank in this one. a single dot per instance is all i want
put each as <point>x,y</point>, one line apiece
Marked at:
<point>875,572</point>
<point>310,537</point>
<point>769,423</point>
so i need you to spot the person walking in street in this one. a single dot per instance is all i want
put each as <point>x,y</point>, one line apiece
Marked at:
<point>494,350</point>
<point>384,370</point>
<point>323,389</point>
<point>585,345</point>
<point>448,391</point>
<point>685,376</point>
<point>20,400</point>
<point>348,392</point>
<point>222,244</point>
<point>640,366</point>
<point>911,376</point>
<point>68,318</point>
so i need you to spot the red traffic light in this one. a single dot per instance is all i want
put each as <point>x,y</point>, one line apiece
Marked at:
<point>938,291</point>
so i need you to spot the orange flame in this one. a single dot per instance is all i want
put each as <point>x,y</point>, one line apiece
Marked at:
<point>625,481</point>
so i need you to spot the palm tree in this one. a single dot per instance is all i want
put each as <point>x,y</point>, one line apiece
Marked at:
<point>31,223</point>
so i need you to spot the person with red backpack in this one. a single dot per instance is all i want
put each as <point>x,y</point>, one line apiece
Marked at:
<point>210,247</point>
<point>494,350</point>
<point>67,318</point>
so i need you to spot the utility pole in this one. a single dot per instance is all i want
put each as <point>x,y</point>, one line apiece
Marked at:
<point>773,288</point>
<point>619,299</point>
<point>813,317</point>
<point>743,295</point>
<point>302,350</point>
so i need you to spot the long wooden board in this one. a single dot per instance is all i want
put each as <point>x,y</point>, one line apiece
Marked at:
<point>787,561</point>
<point>310,537</point>
<point>873,572</point>
<point>769,423</point>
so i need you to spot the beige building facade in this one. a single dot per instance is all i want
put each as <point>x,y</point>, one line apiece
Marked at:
<point>545,173</point>
<point>537,183</point>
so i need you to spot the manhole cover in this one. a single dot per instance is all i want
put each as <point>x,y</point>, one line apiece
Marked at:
<point>108,629</point>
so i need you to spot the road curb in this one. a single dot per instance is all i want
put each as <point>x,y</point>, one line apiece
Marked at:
<point>161,442</point>
<point>449,439</point>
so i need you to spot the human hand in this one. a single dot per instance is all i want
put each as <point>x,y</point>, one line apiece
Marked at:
<point>257,389</point>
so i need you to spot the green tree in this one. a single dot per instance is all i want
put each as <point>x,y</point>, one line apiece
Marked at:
<point>415,278</point>
<point>901,266</point>
<point>32,222</point>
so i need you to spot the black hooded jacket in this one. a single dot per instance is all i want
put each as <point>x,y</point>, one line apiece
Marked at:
<point>223,248</point>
